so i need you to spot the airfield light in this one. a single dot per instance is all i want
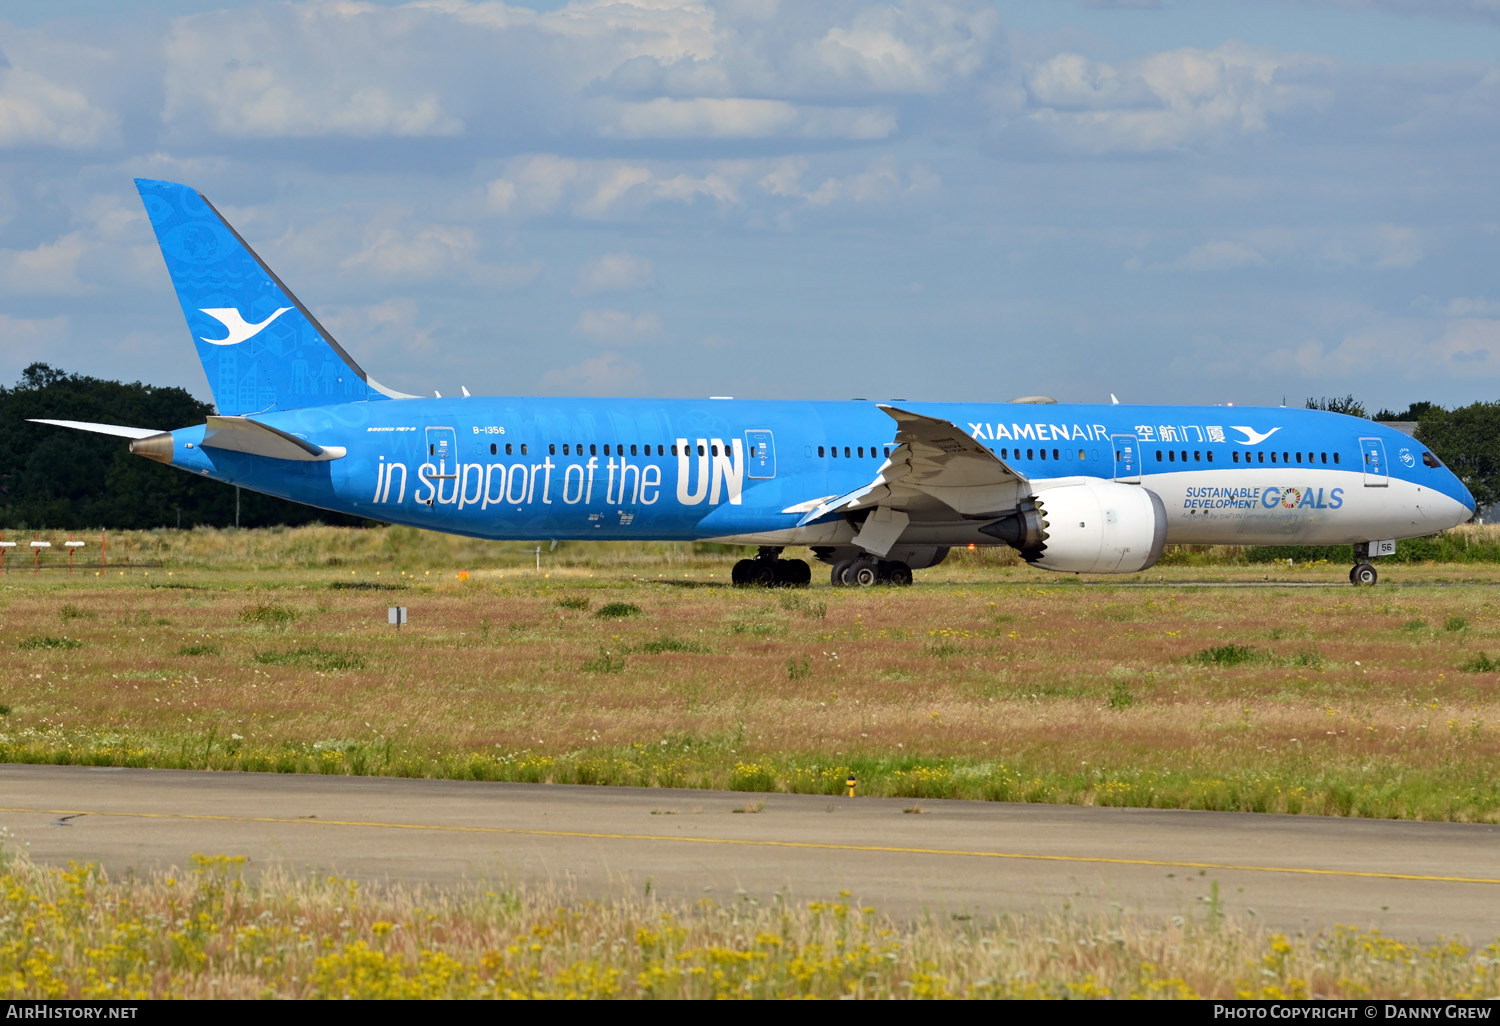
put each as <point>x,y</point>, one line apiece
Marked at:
<point>851,782</point>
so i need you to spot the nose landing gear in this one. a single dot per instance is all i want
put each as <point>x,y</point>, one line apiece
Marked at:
<point>1364,571</point>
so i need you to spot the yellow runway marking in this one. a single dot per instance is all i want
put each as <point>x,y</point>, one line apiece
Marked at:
<point>752,843</point>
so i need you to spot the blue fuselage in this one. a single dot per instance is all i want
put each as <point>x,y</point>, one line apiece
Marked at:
<point>527,468</point>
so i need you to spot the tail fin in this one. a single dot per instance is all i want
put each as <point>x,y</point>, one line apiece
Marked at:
<point>260,347</point>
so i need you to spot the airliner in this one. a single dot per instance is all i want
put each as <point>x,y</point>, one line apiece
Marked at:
<point>875,490</point>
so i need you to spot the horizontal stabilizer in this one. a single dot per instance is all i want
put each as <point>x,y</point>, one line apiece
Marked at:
<point>119,431</point>
<point>238,434</point>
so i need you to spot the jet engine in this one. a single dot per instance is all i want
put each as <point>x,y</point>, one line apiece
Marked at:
<point>1098,528</point>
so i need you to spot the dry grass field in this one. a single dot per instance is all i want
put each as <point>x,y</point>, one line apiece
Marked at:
<point>1263,688</point>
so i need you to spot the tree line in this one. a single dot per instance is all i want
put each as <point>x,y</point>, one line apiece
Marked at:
<point>53,478</point>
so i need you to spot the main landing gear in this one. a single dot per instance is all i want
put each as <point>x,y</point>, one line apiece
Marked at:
<point>768,570</point>
<point>1364,570</point>
<point>865,571</point>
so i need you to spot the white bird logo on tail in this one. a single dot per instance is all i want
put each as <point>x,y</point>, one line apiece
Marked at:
<point>1253,437</point>
<point>235,324</point>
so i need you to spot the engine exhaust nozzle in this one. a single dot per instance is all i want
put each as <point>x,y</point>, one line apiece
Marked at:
<point>156,447</point>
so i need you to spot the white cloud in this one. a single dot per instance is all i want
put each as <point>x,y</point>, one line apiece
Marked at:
<point>606,374</point>
<point>1457,349</point>
<point>35,111</point>
<point>1167,101</point>
<point>741,118</point>
<point>1376,247</point>
<point>614,272</point>
<point>21,337</point>
<point>414,251</point>
<point>532,185</point>
<point>50,267</point>
<point>617,326</point>
<point>299,70</point>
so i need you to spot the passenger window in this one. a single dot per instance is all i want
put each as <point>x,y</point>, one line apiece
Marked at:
<point>606,448</point>
<point>431,450</point>
<point>1043,452</point>
<point>1158,455</point>
<point>659,451</point>
<point>1080,455</point>
<point>1261,457</point>
<point>1234,457</point>
<point>565,448</point>
<point>700,450</point>
<point>551,450</point>
<point>1210,455</point>
<point>492,448</point>
<point>888,452</point>
<point>1055,455</point>
<point>846,453</point>
<point>1324,455</point>
<point>594,450</point>
<point>1285,458</point>
<point>861,452</point>
<point>1197,456</point>
<point>507,448</point>
<point>1336,458</point>
<point>1005,454</point>
<point>1031,454</point>
<point>820,452</point>
<point>1299,457</point>
<point>523,448</point>
<point>1171,456</point>
<point>632,450</point>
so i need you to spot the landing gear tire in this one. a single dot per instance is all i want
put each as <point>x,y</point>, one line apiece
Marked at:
<point>898,574</point>
<point>793,573</point>
<point>762,573</point>
<point>740,575</point>
<point>836,576</point>
<point>1363,573</point>
<point>863,573</point>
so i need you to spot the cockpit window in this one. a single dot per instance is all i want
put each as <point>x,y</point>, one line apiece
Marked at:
<point>1430,460</point>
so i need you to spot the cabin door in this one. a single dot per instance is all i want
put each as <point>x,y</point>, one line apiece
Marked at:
<point>760,447</point>
<point>1374,460</point>
<point>1127,459</point>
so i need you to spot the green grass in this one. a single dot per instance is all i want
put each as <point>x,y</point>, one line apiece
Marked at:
<point>268,613</point>
<point>35,642</point>
<point>1228,655</point>
<point>312,657</point>
<point>617,610</point>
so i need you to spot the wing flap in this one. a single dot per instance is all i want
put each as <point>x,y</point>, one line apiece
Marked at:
<point>933,459</point>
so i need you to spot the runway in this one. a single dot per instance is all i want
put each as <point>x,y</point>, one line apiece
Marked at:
<point>951,859</point>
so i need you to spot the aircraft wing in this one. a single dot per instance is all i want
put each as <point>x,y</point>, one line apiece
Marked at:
<point>933,458</point>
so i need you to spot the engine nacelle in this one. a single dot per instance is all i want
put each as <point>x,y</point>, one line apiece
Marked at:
<point>1096,528</point>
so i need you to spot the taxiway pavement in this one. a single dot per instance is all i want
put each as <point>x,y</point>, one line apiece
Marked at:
<point>951,858</point>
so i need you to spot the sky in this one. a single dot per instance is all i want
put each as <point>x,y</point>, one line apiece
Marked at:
<point>1175,201</point>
